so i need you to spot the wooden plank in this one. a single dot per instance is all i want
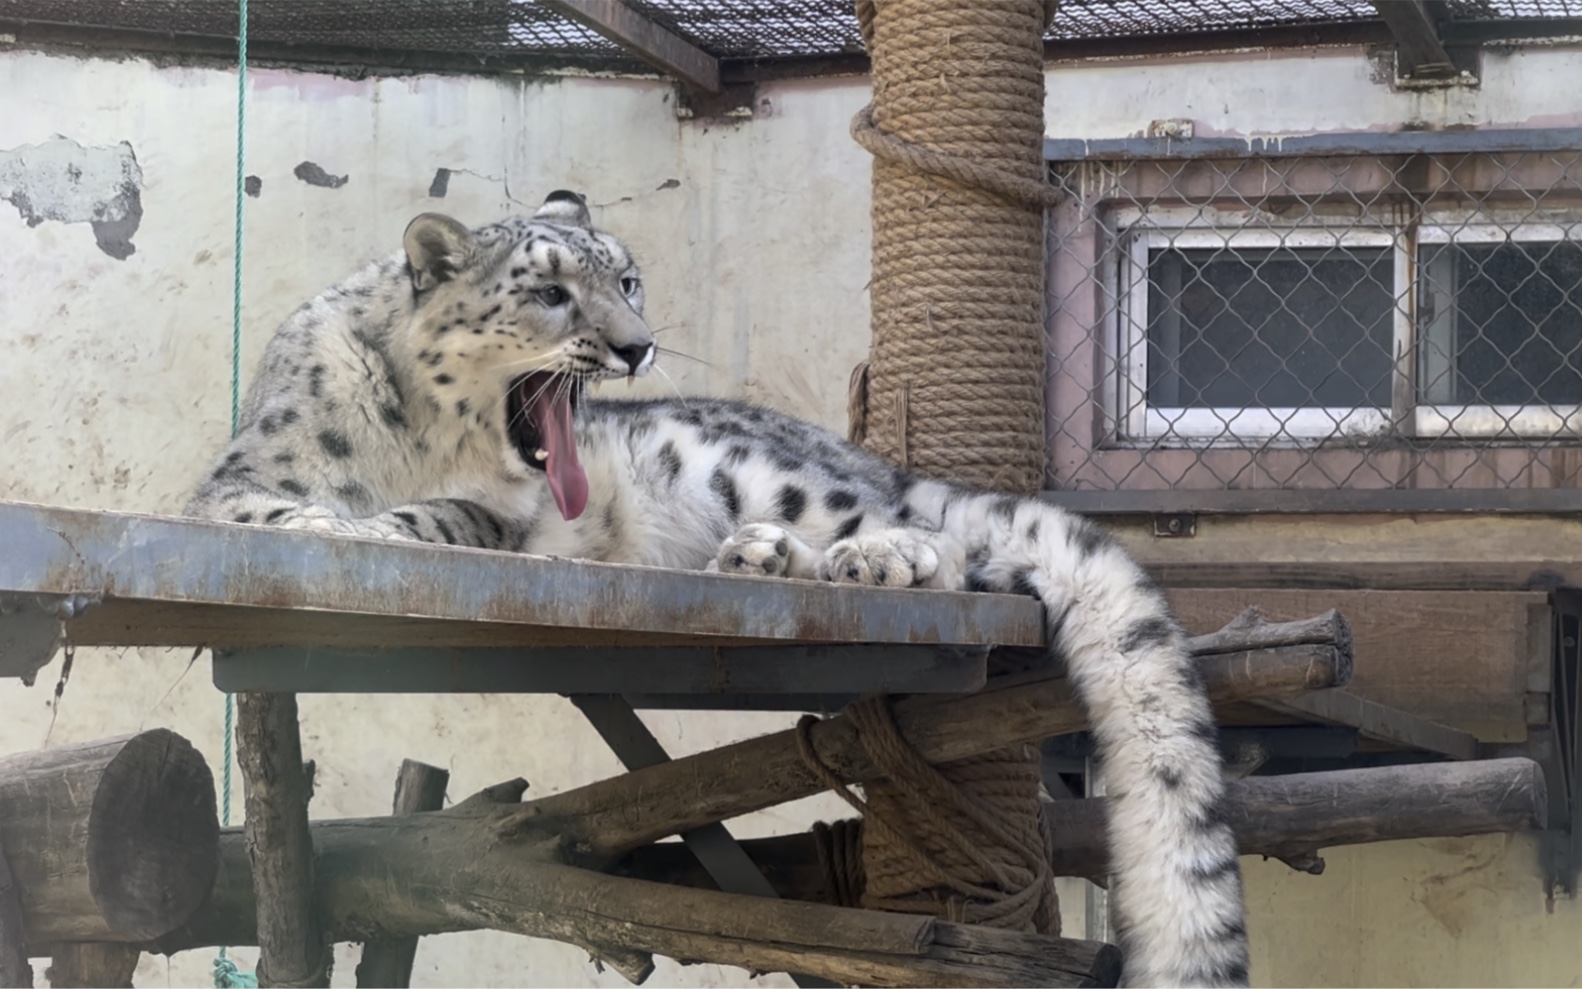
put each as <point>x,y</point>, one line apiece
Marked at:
<point>1461,659</point>
<point>746,670</point>
<point>386,963</point>
<point>1454,575</point>
<point>1386,724</point>
<point>654,44</point>
<point>166,581</point>
<point>1439,552</point>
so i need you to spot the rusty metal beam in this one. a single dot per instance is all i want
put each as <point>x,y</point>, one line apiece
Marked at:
<point>169,581</point>
<point>1419,51</point>
<point>654,44</point>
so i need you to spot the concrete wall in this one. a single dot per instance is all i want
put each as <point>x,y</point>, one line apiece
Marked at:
<point>115,375</point>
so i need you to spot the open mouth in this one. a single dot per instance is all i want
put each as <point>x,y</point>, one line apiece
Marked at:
<point>540,407</point>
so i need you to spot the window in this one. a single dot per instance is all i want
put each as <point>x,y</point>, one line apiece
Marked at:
<point>1337,329</point>
<point>1499,330</point>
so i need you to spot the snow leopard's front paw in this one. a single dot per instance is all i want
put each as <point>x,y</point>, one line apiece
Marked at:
<point>888,558</point>
<point>764,550</point>
<point>315,518</point>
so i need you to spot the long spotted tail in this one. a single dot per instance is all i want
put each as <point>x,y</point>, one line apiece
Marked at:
<point>1175,882</point>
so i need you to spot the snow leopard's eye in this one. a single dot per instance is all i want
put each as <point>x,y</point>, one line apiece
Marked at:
<point>551,295</point>
<point>629,285</point>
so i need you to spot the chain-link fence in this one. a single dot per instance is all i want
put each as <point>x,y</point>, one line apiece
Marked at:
<point>1356,321</point>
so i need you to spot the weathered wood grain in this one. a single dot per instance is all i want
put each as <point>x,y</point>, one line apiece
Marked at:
<point>111,840</point>
<point>291,945</point>
<point>387,962</point>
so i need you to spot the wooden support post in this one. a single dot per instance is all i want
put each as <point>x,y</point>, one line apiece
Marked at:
<point>92,965</point>
<point>291,948</point>
<point>121,833</point>
<point>387,962</point>
<point>16,972</point>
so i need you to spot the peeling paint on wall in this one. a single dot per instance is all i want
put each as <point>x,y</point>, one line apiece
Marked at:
<point>312,174</point>
<point>63,181</point>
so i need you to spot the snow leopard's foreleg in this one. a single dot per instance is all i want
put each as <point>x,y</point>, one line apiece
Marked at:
<point>233,494</point>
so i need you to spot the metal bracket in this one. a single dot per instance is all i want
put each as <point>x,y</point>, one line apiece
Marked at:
<point>1562,843</point>
<point>1176,525</point>
<point>735,102</point>
<point>32,628</point>
<point>717,676</point>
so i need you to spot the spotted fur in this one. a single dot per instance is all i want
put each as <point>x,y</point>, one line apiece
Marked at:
<point>378,411</point>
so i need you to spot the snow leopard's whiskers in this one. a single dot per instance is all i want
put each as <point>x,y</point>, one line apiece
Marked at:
<point>672,383</point>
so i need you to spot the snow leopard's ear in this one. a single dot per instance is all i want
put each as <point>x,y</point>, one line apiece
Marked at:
<point>437,247</point>
<point>565,207</point>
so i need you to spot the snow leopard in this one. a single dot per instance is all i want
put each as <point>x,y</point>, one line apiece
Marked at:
<point>445,393</point>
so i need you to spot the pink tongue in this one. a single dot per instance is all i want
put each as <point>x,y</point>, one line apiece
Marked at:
<point>567,480</point>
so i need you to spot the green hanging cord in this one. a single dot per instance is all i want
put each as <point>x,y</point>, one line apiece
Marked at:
<point>226,974</point>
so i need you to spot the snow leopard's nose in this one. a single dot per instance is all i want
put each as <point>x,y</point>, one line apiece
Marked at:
<point>634,355</point>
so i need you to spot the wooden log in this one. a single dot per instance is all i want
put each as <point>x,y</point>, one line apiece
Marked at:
<point>291,947</point>
<point>92,965</point>
<point>1288,817</point>
<point>602,821</point>
<point>453,870</point>
<point>1292,817</point>
<point>387,962</point>
<point>1249,630</point>
<point>16,972</point>
<point>113,840</point>
<point>1284,817</point>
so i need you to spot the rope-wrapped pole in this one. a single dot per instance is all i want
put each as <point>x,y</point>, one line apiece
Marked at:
<point>954,384</point>
<point>954,387</point>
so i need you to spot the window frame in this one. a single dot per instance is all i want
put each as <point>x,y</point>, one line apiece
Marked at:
<point>1131,422</point>
<point>1487,421</point>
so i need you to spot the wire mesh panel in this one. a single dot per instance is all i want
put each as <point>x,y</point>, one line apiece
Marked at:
<point>1366,321</point>
<point>524,32</point>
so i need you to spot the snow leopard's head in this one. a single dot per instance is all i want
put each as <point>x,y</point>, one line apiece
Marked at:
<point>529,310</point>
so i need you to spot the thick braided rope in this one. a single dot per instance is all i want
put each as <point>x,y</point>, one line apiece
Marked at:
<point>954,840</point>
<point>954,384</point>
<point>954,387</point>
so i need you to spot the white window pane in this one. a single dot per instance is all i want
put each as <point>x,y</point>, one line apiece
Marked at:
<point>1244,328</point>
<point>1502,323</point>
